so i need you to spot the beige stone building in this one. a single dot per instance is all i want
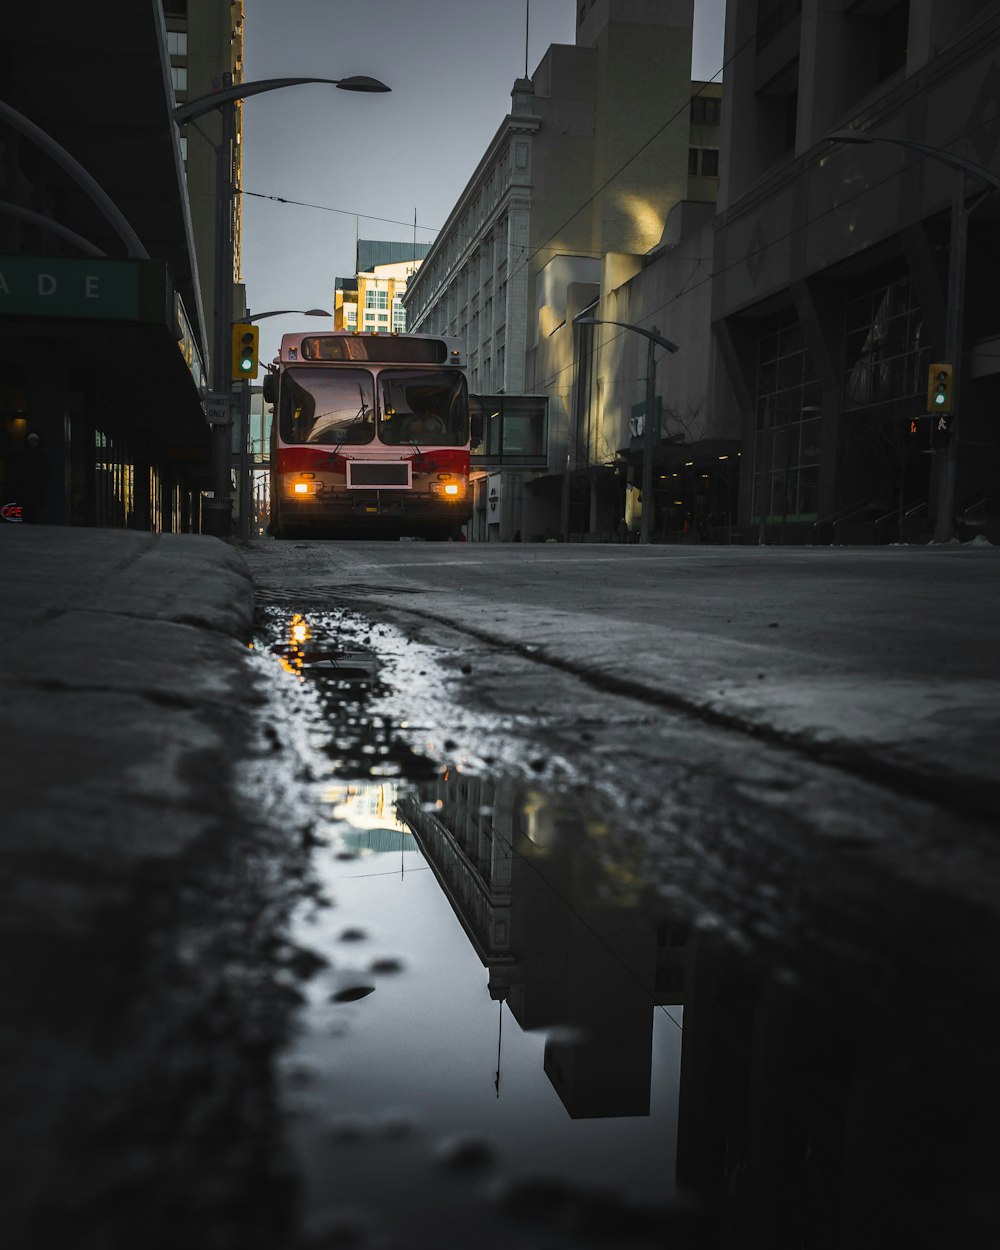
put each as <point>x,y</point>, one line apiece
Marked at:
<point>598,148</point>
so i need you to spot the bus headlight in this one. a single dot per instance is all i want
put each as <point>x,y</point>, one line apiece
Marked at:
<point>447,486</point>
<point>304,487</point>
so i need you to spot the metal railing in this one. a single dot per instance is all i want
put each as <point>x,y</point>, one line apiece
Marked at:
<point>835,519</point>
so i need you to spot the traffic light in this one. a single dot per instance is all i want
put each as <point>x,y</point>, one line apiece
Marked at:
<point>939,390</point>
<point>246,341</point>
<point>914,428</point>
<point>941,429</point>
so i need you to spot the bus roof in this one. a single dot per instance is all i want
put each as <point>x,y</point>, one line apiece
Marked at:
<point>345,346</point>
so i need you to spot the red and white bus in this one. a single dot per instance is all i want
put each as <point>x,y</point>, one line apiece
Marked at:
<point>371,433</point>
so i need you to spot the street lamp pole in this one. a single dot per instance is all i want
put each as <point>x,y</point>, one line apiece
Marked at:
<point>220,509</point>
<point>944,528</point>
<point>648,433</point>
<point>243,457</point>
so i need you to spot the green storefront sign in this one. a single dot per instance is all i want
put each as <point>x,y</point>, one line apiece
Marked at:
<point>40,286</point>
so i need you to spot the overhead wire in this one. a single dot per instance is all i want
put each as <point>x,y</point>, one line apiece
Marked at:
<point>541,248</point>
<point>685,288</point>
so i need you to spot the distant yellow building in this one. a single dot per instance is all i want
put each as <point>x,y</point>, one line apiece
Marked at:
<point>372,299</point>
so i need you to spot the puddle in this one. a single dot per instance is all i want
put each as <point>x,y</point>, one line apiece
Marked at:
<point>508,1028</point>
<point>495,1008</point>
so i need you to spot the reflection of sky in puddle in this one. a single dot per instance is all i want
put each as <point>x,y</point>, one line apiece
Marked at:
<point>424,1050</point>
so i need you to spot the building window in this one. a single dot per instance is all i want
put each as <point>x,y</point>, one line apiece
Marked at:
<point>179,77</point>
<point>710,162</point>
<point>886,354</point>
<point>351,316</point>
<point>376,299</point>
<point>703,161</point>
<point>705,110</point>
<point>383,317</point>
<point>787,437</point>
<point>177,42</point>
<point>175,8</point>
<point>885,347</point>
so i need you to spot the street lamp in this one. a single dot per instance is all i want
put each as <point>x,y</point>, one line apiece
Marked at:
<point>945,524</point>
<point>284,312</point>
<point>242,459</point>
<point>655,339</point>
<point>225,100</point>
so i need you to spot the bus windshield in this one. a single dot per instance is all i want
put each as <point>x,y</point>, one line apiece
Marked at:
<point>425,407</point>
<point>327,406</point>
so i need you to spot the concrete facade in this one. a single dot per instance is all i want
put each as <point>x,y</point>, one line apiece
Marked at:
<point>830,288</point>
<point>597,378</point>
<point>589,163</point>
<point>205,43</point>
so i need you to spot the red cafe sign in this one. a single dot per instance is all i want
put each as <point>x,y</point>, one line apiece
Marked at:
<point>12,512</point>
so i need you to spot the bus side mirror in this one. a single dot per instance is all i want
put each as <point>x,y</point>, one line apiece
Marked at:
<point>269,388</point>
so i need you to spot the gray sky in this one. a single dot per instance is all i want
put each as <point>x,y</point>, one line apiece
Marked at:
<point>451,65</point>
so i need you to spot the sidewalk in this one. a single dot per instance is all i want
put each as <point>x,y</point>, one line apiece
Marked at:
<point>125,695</point>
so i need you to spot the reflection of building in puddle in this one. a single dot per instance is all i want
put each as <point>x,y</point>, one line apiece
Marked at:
<point>554,915</point>
<point>803,1119</point>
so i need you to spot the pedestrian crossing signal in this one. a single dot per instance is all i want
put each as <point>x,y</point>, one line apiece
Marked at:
<point>941,430</point>
<point>246,340</point>
<point>939,388</point>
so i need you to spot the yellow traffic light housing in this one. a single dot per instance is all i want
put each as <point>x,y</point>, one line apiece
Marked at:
<point>939,387</point>
<point>246,345</point>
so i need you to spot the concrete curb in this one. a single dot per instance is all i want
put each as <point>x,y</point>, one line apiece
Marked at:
<point>127,696</point>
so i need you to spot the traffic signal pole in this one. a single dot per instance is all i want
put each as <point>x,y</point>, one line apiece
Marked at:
<point>218,519</point>
<point>947,467</point>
